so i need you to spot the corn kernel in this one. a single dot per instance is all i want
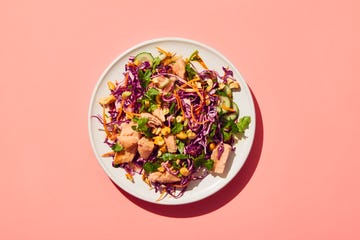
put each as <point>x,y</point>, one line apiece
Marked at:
<point>184,171</point>
<point>111,85</point>
<point>163,148</point>
<point>165,131</point>
<point>212,146</point>
<point>181,135</point>
<point>161,169</point>
<point>159,140</point>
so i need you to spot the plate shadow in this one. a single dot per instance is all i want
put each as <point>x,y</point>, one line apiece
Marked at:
<point>223,196</point>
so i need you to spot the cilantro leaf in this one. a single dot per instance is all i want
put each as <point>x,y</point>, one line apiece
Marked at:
<point>152,93</point>
<point>151,167</point>
<point>117,147</point>
<point>190,71</point>
<point>155,63</point>
<point>243,124</point>
<point>144,77</point>
<point>178,127</point>
<point>142,126</point>
<point>173,156</point>
<point>209,164</point>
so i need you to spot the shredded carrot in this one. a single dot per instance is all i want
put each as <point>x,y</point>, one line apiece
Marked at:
<point>126,79</point>
<point>227,108</point>
<point>166,53</point>
<point>104,123</point>
<point>179,103</point>
<point>193,117</point>
<point>120,109</point>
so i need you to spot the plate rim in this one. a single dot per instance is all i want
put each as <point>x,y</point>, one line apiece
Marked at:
<point>121,56</point>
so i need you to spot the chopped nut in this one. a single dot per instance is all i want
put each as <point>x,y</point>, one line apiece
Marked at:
<point>190,134</point>
<point>234,85</point>
<point>181,135</point>
<point>107,100</point>
<point>111,85</point>
<point>179,118</point>
<point>156,131</point>
<point>129,177</point>
<point>161,169</point>
<point>210,85</point>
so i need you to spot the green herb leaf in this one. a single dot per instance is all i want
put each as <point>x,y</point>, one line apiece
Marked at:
<point>178,127</point>
<point>209,164</point>
<point>117,147</point>
<point>173,156</point>
<point>155,63</point>
<point>172,108</point>
<point>144,77</point>
<point>152,93</point>
<point>150,167</point>
<point>142,127</point>
<point>191,73</point>
<point>180,145</point>
<point>243,123</point>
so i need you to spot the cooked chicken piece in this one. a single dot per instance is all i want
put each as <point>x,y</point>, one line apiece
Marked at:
<point>127,130</point>
<point>220,162</point>
<point>153,121</point>
<point>159,113</point>
<point>145,147</point>
<point>170,141</point>
<point>129,144</point>
<point>179,67</point>
<point>164,177</point>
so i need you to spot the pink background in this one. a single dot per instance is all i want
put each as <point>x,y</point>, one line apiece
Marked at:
<point>301,60</point>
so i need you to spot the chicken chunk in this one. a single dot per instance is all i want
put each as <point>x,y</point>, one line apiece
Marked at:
<point>170,141</point>
<point>159,113</point>
<point>127,130</point>
<point>129,143</point>
<point>220,161</point>
<point>179,67</point>
<point>153,121</point>
<point>164,177</point>
<point>145,147</point>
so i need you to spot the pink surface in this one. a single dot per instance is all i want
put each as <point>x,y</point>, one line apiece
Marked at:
<point>301,61</point>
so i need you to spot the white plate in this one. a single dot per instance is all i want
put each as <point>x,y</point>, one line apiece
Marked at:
<point>199,189</point>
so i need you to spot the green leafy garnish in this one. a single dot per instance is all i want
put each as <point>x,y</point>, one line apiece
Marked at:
<point>117,147</point>
<point>191,73</point>
<point>144,76</point>
<point>150,167</point>
<point>243,123</point>
<point>152,93</point>
<point>173,156</point>
<point>155,63</point>
<point>180,145</point>
<point>142,127</point>
<point>178,127</point>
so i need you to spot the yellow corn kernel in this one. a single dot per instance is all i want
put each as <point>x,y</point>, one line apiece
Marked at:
<point>179,118</point>
<point>159,140</point>
<point>212,146</point>
<point>165,131</point>
<point>184,171</point>
<point>163,148</point>
<point>111,85</point>
<point>221,86</point>
<point>181,135</point>
<point>161,169</point>
<point>190,134</point>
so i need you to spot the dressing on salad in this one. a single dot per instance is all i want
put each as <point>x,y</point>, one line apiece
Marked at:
<point>172,120</point>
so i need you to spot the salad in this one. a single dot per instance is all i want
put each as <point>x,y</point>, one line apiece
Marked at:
<point>172,120</point>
